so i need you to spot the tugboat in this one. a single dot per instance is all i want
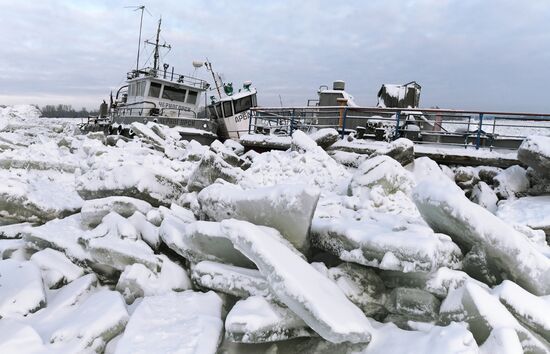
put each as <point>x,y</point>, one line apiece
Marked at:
<point>162,96</point>
<point>231,111</point>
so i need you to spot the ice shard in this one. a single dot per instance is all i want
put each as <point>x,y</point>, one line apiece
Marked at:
<point>183,323</point>
<point>257,320</point>
<point>309,294</point>
<point>287,208</point>
<point>446,209</point>
<point>228,279</point>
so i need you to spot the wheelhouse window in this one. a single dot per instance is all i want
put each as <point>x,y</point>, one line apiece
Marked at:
<point>154,90</point>
<point>219,110</point>
<point>174,94</point>
<point>140,88</point>
<point>242,104</point>
<point>227,110</point>
<point>131,90</point>
<point>212,111</point>
<point>192,97</point>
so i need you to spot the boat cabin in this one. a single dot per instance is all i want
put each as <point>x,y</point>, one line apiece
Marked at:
<point>168,94</point>
<point>233,105</point>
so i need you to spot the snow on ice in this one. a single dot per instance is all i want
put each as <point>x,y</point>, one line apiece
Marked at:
<point>159,245</point>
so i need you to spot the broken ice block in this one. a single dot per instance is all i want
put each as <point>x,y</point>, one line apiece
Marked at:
<point>534,151</point>
<point>313,297</point>
<point>361,285</point>
<point>92,322</point>
<point>531,310</point>
<point>138,281</point>
<point>21,288</point>
<point>416,304</point>
<point>113,225</point>
<point>383,172</point>
<point>511,182</point>
<point>484,195</point>
<point>129,180</point>
<point>228,279</point>
<point>438,283</point>
<point>480,266</point>
<point>148,232</point>
<point>378,243</point>
<point>257,320</point>
<point>528,211</point>
<point>484,313</point>
<point>37,197</point>
<point>18,337</point>
<point>13,230</point>
<point>186,323</point>
<point>287,208</point>
<point>502,341</point>
<point>325,137</point>
<point>202,240</point>
<point>446,209</point>
<point>56,268</point>
<point>118,253</point>
<point>10,247</point>
<point>454,338</point>
<point>94,210</point>
<point>210,168</point>
<point>224,152</point>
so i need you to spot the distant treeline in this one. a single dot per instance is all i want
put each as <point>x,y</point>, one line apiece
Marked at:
<point>65,111</point>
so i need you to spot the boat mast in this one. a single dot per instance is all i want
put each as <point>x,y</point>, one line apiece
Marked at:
<point>208,65</point>
<point>157,46</point>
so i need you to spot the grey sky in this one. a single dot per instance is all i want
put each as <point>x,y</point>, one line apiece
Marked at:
<point>492,55</point>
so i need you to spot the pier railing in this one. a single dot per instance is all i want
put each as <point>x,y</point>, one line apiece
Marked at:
<point>476,129</point>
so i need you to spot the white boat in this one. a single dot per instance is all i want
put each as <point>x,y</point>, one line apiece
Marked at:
<point>155,94</point>
<point>163,96</point>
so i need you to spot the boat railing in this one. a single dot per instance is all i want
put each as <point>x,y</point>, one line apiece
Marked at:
<point>464,128</point>
<point>169,76</point>
<point>153,111</point>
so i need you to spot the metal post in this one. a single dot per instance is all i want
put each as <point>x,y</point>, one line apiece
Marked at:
<point>344,115</point>
<point>478,140</point>
<point>292,121</point>
<point>397,121</point>
<point>250,122</point>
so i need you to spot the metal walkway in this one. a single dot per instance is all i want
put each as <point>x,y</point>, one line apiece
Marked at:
<point>469,129</point>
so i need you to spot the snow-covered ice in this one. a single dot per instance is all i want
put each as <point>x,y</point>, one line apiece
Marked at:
<point>150,244</point>
<point>314,298</point>
<point>444,206</point>
<point>176,323</point>
<point>257,320</point>
<point>21,288</point>
<point>287,208</point>
<point>228,279</point>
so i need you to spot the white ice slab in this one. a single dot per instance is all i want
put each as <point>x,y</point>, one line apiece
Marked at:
<point>95,209</point>
<point>236,281</point>
<point>56,268</point>
<point>287,208</point>
<point>446,209</point>
<point>21,288</point>
<point>257,320</point>
<point>176,323</point>
<point>313,297</point>
<point>385,244</point>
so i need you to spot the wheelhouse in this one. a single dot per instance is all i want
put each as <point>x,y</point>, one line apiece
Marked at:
<point>233,105</point>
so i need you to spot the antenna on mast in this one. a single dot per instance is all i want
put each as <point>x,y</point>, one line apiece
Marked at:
<point>157,46</point>
<point>136,8</point>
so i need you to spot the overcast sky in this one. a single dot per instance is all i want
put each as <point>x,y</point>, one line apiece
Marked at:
<point>492,55</point>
